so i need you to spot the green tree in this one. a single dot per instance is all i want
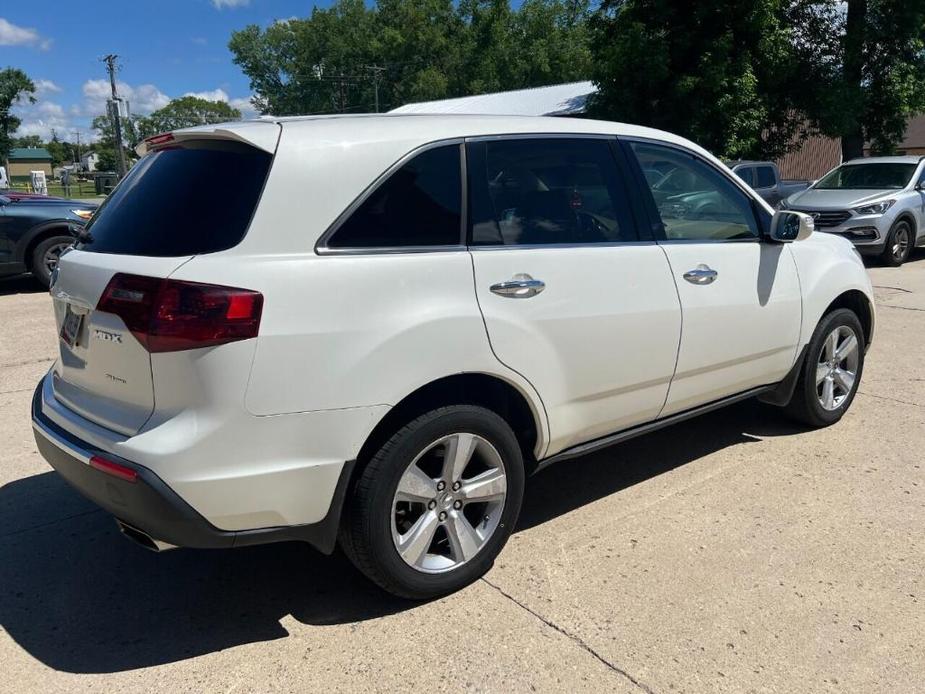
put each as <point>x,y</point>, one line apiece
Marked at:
<point>15,87</point>
<point>879,74</point>
<point>702,70</point>
<point>184,112</point>
<point>339,58</point>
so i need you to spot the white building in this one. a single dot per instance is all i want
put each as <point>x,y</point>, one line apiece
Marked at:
<point>89,161</point>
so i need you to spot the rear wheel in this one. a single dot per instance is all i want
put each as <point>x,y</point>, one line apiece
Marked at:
<point>436,504</point>
<point>831,372</point>
<point>45,257</point>
<point>899,244</point>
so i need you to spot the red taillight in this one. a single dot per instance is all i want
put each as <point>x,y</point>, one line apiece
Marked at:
<point>110,468</point>
<point>161,139</point>
<point>171,315</point>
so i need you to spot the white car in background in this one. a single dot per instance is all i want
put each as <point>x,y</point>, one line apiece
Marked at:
<point>373,328</point>
<point>877,203</point>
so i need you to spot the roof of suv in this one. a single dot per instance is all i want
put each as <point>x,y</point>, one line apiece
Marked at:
<point>348,129</point>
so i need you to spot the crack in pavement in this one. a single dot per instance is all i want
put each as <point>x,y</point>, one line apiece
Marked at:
<point>24,363</point>
<point>15,390</point>
<point>41,526</point>
<point>897,289</point>
<point>904,308</point>
<point>576,639</point>
<point>886,397</point>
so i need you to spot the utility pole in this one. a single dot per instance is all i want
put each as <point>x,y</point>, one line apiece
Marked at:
<point>377,72</point>
<point>110,61</point>
<point>77,160</point>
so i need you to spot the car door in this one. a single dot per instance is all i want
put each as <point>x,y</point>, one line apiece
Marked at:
<point>573,299</point>
<point>740,296</point>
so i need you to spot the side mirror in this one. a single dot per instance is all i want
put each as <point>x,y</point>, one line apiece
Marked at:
<point>787,226</point>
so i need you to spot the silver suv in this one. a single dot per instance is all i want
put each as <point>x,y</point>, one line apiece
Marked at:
<point>876,203</point>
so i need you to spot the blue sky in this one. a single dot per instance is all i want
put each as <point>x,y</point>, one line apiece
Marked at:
<point>167,48</point>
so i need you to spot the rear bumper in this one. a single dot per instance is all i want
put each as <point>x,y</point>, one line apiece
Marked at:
<point>151,506</point>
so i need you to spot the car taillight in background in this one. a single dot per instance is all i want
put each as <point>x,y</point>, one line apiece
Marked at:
<point>168,315</point>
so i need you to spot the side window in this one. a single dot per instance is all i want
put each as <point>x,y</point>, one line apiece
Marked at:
<point>746,173</point>
<point>535,191</point>
<point>695,201</point>
<point>764,177</point>
<point>418,205</point>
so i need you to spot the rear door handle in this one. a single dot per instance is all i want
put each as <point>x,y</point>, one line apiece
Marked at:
<point>702,274</point>
<point>521,286</point>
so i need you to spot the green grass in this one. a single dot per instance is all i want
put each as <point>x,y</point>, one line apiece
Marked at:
<point>79,189</point>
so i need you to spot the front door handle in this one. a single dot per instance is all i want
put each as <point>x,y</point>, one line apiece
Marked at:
<point>521,286</point>
<point>702,274</point>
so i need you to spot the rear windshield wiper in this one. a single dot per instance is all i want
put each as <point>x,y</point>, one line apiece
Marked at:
<point>82,234</point>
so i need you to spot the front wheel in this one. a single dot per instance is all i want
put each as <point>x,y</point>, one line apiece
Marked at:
<point>45,257</point>
<point>899,244</point>
<point>831,371</point>
<point>436,504</point>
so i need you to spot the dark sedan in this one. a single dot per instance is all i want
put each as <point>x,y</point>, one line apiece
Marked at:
<point>35,231</point>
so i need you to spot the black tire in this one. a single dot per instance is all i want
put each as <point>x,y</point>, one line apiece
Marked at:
<point>899,243</point>
<point>805,405</point>
<point>39,262</point>
<point>366,530</point>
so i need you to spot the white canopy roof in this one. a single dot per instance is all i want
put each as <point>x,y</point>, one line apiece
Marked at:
<point>556,100</point>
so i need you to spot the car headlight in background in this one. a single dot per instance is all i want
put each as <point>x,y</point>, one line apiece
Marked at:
<point>83,214</point>
<point>876,208</point>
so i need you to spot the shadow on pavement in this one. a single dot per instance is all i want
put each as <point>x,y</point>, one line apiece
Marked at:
<point>20,284</point>
<point>79,598</point>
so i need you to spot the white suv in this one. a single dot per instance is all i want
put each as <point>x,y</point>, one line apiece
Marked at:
<point>372,329</point>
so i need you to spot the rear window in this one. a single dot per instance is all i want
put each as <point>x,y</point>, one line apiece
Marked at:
<point>182,201</point>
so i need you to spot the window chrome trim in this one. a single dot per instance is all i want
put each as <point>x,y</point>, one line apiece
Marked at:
<point>560,246</point>
<point>540,135</point>
<point>321,245</point>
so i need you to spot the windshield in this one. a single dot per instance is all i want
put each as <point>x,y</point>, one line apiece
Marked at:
<point>181,201</point>
<point>867,177</point>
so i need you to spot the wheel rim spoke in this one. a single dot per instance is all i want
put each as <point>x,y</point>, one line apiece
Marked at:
<point>846,348</point>
<point>415,485</point>
<point>489,485</point>
<point>459,450</point>
<point>831,343</point>
<point>822,370</point>
<point>844,379</point>
<point>828,393</point>
<point>414,544</point>
<point>464,541</point>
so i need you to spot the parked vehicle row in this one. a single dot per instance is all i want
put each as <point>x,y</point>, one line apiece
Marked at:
<point>374,328</point>
<point>35,230</point>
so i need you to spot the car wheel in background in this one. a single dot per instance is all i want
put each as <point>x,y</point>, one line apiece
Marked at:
<point>437,503</point>
<point>831,371</point>
<point>899,244</point>
<point>45,257</point>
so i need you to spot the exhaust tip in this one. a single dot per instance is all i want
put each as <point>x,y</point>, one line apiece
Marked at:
<point>142,538</point>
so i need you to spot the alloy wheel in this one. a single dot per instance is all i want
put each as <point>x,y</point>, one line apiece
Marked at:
<point>837,367</point>
<point>448,503</point>
<point>53,254</point>
<point>901,243</point>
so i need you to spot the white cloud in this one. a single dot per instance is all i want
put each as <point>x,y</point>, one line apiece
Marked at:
<point>44,118</point>
<point>43,87</point>
<point>199,40</point>
<point>142,99</point>
<point>214,95</point>
<point>12,35</point>
<point>222,4</point>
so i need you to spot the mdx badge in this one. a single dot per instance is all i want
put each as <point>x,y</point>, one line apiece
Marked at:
<point>107,336</point>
